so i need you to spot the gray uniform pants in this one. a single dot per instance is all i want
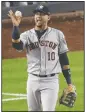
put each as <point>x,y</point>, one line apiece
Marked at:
<point>42,93</point>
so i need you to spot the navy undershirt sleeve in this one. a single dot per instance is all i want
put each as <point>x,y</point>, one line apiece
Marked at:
<point>15,33</point>
<point>65,61</point>
<point>15,36</point>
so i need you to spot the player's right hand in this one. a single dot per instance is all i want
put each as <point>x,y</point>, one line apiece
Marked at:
<point>16,21</point>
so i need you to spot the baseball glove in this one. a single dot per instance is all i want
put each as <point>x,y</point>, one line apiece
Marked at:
<point>68,97</point>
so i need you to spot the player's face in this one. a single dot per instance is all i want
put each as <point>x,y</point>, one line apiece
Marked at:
<point>41,19</point>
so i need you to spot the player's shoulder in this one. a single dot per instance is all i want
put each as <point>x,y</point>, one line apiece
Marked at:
<point>57,31</point>
<point>31,31</point>
<point>27,31</point>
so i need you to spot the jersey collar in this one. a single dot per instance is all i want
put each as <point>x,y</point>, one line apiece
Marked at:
<point>48,30</point>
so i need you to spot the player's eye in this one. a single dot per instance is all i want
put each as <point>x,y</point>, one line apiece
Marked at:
<point>40,13</point>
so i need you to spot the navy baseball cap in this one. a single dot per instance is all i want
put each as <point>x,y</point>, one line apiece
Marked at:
<point>42,8</point>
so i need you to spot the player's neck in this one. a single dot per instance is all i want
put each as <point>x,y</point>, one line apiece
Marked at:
<point>41,28</point>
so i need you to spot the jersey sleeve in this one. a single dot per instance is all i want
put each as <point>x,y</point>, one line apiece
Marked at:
<point>24,39</point>
<point>62,43</point>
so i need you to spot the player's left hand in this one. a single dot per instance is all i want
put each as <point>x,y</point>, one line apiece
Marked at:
<point>69,96</point>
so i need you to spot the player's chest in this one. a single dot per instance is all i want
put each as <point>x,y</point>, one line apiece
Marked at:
<point>48,40</point>
<point>44,39</point>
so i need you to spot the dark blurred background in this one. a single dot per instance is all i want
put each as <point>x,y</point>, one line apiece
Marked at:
<point>27,7</point>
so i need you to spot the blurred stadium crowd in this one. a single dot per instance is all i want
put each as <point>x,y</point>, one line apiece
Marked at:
<point>17,3</point>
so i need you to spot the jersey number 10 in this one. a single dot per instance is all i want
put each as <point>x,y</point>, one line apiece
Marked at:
<point>51,56</point>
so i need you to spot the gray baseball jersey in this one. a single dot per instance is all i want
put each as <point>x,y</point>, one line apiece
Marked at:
<point>43,53</point>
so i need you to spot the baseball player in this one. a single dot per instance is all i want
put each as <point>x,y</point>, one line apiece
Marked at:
<point>46,51</point>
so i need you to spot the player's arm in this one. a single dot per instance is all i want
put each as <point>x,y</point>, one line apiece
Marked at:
<point>68,97</point>
<point>16,42</point>
<point>64,61</point>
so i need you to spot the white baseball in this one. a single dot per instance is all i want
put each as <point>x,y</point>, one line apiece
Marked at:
<point>18,13</point>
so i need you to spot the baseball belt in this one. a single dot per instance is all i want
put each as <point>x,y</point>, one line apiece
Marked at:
<point>44,75</point>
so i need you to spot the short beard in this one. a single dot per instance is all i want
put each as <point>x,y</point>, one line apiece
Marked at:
<point>39,26</point>
<point>42,26</point>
